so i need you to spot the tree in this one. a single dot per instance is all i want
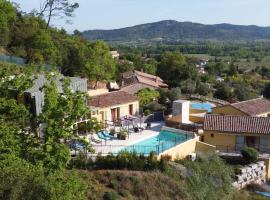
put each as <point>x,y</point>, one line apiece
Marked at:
<point>233,70</point>
<point>266,91</point>
<point>150,66</point>
<point>203,89</point>
<point>60,113</point>
<point>146,96</point>
<point>188,86</point>
<point>57,8</point>
<point>174,94</point>
<point>7,16</point>
<point>22,180</point>
<point>100,65</point>
<point>222,91</point>
<point>244,92</point>
<point>170,67</point>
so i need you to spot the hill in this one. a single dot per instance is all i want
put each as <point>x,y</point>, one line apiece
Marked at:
<point>171,30</point>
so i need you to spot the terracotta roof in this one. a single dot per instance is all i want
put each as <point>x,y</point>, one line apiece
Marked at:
<point>253,107</point>
<point>237,124</point>
<point>111,99</point>
<point>133,77</point>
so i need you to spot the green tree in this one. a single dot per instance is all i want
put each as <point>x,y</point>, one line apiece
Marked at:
<point>266,91</point>
<point>57,8</point>
<point>22,180</point>
<point>146,96</point>
<point>188,86</point>
<point>203,89</point>
<point>174,94</point>
<point>222,91</point>
<point>150,66</point>
<point>100,65</point>
<point>60,113</point>
<point>7,17</point>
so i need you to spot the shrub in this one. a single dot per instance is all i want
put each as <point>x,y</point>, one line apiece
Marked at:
<point>130,161</point>
<point>110,196</point>
<point>122,135</point>
<point>249,154</point>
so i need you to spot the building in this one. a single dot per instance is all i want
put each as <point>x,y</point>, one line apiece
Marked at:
<point>97,88</point>
<point>115,54</point>
<point>113,105</point>
<point>233,132</point>
<point>34,96</point>
<point>134,81</point>
<point>259,107</point>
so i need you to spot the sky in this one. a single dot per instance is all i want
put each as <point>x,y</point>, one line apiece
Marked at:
<point>112,14</point>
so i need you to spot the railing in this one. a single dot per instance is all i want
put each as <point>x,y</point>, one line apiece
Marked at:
<point>105,149</point>
<point>141,149</point>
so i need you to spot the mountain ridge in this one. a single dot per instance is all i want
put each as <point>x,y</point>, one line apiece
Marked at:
<point>171,30</point>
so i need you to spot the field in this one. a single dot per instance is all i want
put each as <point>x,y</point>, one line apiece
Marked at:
<point>243,64</point>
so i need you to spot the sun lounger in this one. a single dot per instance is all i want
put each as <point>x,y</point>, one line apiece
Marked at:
<point>101,136</point>
<point>107,135</point>
<point>95,139</point>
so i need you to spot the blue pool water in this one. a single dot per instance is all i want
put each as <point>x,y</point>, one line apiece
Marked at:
<point>160,143</point>
<point>205,106</point>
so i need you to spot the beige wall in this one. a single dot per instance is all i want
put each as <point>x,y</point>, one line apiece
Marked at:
<point>227,110</point>
<point>191,146</point>
<point>223,139</point>
<point>96,92</point>
<point>106,112</point>
<point>219,139</point>
<point>204,147</point>
<point>267,163</point>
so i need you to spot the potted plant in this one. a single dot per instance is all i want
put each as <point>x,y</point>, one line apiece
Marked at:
<point>122,135</point>
<point>112,132</point>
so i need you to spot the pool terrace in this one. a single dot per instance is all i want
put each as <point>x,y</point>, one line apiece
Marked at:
<point>145,141</point>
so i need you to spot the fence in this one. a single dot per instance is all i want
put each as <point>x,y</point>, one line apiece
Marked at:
<point>21,61</point>
<point>12,59</point>
<point>155,117</point>
<point>160,146</point>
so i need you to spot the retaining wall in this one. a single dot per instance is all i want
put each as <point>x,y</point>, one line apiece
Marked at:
<point>253,173</point>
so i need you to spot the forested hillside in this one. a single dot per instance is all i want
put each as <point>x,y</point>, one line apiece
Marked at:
<point>170,30</point>
<point>26,35</point>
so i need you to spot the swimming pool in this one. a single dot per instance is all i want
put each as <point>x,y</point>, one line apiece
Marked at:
<point>160,143</point>
<point>204,106</point>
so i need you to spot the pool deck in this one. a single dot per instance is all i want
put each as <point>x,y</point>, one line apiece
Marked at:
<point>115,145</point>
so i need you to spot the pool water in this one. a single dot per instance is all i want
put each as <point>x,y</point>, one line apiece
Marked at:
<point>204,106</point>
<point>160,143</point>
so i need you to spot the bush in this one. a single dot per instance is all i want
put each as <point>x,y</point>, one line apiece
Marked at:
<point>130,161</point>
<point>249,154</point>
<point>110,196</point>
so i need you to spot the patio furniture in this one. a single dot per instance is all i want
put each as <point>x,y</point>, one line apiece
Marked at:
<point>101,136</point>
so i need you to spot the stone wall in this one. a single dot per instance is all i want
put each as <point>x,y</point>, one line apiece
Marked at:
<point>253,173</point>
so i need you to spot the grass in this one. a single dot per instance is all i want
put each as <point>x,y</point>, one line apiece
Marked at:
<point>121,184</point>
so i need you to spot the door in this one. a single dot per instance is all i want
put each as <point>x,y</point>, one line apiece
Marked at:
<point>240,142</point>
<point>114,114</point>
<point>131,109</point>
<point>252,141</point>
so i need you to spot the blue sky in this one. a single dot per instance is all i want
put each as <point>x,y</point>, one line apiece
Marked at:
<point>109,14</point>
